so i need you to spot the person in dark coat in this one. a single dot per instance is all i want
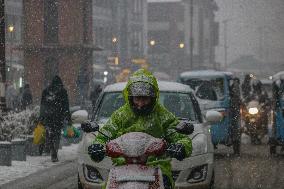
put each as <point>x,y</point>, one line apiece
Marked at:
<point>54,112</point>
<point>246,86</point>
<point>27,98</point>
<point>235,107</point>
<point>95,94</point>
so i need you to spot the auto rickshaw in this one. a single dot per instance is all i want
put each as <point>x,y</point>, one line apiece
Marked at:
<point>212,89</point>
<point>276,137</point>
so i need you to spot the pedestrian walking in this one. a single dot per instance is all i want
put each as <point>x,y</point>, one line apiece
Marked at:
<point>27,98</point>
<point>54,112</point>
<point>95,94</point>
<point>11,97</point>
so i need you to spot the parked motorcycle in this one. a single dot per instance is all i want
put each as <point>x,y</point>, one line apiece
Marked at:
<point>256,120</point>
<point>136,147</point>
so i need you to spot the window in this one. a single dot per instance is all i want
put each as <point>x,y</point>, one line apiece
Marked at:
<point>213,89</point>
<point>50,21</point>
<point>51,69</point>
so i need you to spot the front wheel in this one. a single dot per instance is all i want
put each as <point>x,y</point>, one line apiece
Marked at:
<point>255,140</point>
<point>272,150</point>
<point>236,147</point>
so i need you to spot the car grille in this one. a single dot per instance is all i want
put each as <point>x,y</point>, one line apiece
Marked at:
<point>175,174</point>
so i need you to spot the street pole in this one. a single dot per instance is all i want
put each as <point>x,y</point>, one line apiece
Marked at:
<point>225,22</point>
<point>2,59</point>
<point>191,34</point>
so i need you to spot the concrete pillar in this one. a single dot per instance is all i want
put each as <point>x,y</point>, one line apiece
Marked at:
<point>19,150</point>
<point>5,154</point>
<point>32,149</point>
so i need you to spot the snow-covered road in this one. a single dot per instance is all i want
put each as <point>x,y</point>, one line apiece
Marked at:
<point>35,163</point>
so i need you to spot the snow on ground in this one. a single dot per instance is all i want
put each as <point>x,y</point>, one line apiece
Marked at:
<point>35,163</point>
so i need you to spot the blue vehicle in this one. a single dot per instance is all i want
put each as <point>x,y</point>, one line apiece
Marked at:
<point>277,132</point>
<point>212,89</point>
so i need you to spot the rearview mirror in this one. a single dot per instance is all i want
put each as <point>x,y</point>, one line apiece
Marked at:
<point>213,116</point>
<point>79,116</point>
<point>185,127</point>
<point>89,127</point>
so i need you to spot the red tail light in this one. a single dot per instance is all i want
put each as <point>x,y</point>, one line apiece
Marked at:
<point>223,113</point>
<point>113,150</point>
<point>156,148</point>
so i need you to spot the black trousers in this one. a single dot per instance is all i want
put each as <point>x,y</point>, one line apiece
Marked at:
<point>52,141</point>
<point>167,182</point>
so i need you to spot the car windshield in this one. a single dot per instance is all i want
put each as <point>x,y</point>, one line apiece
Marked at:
<point>207,89</point>
<point>179,104</point>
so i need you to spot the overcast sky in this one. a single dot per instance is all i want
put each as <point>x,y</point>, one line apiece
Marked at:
<point>245,18</point>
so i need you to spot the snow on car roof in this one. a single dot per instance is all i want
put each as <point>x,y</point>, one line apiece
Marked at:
<point>163,86</point>
<point>204,74</point>
<point>266,81</point>
<point>279,75</point>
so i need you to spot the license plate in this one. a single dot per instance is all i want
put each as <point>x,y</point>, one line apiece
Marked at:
<point>136,178</point>
<point>252,120</point>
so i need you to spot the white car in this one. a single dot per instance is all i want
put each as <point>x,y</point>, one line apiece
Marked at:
<point>197,171</point>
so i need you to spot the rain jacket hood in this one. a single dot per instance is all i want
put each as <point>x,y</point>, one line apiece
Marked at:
<point>56,82</point>
<point>141,76</point>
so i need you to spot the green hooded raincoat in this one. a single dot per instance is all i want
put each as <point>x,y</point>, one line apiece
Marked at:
<point>159,123</point>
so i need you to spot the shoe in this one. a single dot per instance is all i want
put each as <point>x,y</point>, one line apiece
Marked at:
<point>46,153</point>
<point>54,159</point>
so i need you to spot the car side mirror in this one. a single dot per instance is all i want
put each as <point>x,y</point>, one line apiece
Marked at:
<point>79,116</point>
<point>185,127</point>
<point>213,116</point>
<point>89,127</point>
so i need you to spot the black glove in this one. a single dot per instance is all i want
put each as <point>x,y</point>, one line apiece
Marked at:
<point>176,151</point>
<point>97,152</point>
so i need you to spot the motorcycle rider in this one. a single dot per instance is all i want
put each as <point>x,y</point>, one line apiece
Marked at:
<point>259,94</point>
<point>142,112</point>
<point>235,110</point>
<point>246,86</point>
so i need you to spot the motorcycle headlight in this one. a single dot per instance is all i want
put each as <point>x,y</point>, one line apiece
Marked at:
<point>253,111</point>
<point>199,145</point>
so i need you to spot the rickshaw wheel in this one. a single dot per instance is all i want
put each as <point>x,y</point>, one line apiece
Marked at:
<point>272,150</point>
<point>236,147</point>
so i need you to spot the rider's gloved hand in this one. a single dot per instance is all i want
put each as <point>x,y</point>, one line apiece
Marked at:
<point>176,151</point>
<point>97,152</point>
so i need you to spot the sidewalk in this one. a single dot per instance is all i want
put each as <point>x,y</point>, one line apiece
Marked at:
<point>33,164</point>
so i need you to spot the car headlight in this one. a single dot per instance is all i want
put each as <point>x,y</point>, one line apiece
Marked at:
<point>198,174</point>
<point>199,145</point>
<point>92,174</point>
<point>253,111</point>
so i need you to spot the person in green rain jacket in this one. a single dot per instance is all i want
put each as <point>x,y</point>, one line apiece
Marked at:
<point>142,112</point>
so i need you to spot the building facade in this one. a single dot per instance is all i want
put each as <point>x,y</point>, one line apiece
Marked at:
<point>57,40</point>
<point>182,35</point>
<point>119,28</point>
